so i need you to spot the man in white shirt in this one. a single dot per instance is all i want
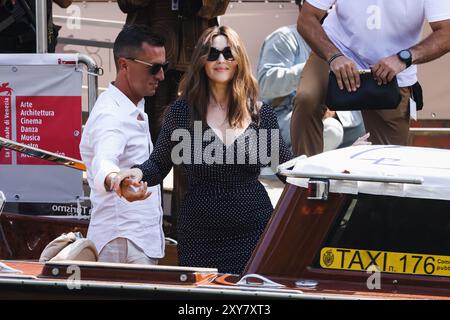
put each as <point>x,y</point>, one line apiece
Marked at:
<point>378,34</point>
<point>117,136</point>
<point>281,61</point>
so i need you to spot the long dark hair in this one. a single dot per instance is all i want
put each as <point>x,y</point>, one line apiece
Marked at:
<point>243,89</point>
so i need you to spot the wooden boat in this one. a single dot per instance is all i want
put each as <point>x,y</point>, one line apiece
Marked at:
<point>291,256</point>
<point>365,222</point>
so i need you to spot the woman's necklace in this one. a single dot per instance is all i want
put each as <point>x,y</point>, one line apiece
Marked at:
<point>217,104</point>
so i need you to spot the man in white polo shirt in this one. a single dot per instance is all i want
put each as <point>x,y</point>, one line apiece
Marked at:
<point>382,35</point>
<point>117,136</point>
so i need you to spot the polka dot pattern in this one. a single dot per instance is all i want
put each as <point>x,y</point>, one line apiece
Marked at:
<point>226,208</point>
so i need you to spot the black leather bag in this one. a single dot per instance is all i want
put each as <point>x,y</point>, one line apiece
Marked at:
<point>369,96</point>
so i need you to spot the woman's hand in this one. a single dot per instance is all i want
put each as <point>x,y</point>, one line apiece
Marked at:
<point>128,184</point>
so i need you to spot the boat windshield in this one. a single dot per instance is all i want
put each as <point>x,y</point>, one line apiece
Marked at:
<point>393,234</point>
<point>386,223</point>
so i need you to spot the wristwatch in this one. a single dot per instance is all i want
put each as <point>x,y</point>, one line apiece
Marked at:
<point>406,57</point>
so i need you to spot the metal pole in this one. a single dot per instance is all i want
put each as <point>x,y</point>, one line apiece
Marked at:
<point>93,72</point>
<point>41,26</point>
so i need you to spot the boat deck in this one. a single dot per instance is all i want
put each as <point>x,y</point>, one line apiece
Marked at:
<point>105,280</point>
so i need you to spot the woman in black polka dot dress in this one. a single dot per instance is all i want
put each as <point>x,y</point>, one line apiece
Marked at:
<point>222,136</point>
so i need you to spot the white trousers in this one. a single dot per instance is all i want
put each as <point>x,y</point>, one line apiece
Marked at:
<point>122,250</point>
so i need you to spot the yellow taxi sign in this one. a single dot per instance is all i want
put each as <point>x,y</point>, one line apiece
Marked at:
<point>390,262</point>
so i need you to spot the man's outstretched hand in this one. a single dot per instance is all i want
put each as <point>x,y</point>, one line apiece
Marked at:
<point>127,183</point>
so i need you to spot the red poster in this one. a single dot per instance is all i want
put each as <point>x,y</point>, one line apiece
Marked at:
<point>5,127</point>
<point>52,123</point>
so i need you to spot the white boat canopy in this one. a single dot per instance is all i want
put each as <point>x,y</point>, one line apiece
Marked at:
<point>416,172</point>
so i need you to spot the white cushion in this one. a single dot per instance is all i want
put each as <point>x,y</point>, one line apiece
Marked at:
<point>80,250</point>
<point>56,245</point>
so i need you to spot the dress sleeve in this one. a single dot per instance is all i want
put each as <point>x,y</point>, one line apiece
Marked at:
<point>279,152</point>
<point>156,168</point>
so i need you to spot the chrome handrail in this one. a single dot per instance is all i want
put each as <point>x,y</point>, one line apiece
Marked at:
<point>93,72</point>
<point>349,177</point>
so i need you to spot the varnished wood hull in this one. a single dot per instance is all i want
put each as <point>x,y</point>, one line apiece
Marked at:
<point>293,238</point>
<point>23,237</point>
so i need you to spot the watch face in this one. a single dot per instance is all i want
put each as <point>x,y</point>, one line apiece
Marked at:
<point>405,55</point>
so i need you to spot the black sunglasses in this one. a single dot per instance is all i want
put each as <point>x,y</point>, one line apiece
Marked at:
<point>154,67</point>
<point>214,54</point>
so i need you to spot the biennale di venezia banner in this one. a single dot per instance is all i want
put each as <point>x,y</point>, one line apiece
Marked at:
<point>40,105</point>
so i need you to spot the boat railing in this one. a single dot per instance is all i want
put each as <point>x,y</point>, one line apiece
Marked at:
<point>349,177</point>
<point>429,131</point>
<point>93,72</point>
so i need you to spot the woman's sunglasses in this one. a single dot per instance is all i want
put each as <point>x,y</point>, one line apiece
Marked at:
<point>154,68</point>
<point>214,54</point>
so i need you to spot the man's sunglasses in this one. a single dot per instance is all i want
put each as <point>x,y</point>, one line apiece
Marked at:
<point>214,54</point>
<point>154,67</point>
